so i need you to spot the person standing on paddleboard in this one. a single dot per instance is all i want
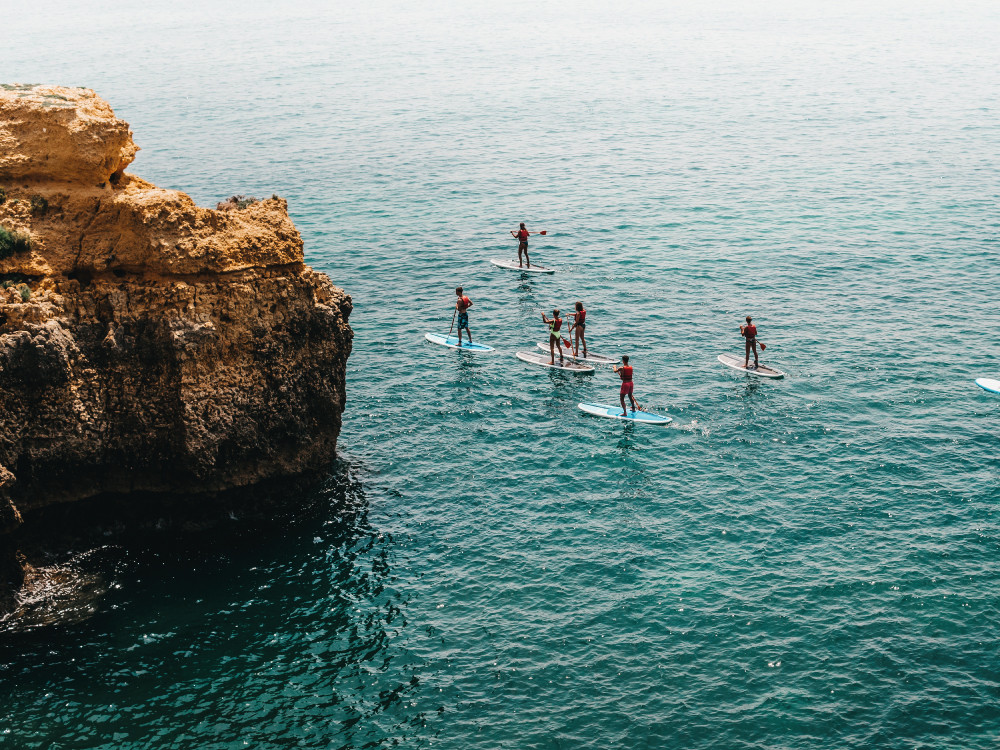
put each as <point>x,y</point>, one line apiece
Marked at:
<point>521,235</point>
<point>625,373</point>
<point>554,324</point>
<point>749,332</point>
<point>462,306</point>
<point>579,324</point>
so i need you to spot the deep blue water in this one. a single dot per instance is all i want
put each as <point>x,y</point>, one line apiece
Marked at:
<point>805,563</point>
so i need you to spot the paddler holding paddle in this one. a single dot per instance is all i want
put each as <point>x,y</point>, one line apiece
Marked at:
<point>579,324</point>
<point>521,235</point>
<point>625,373</point>
<point>749,332</point>
<point>554,323</point>
<point>462,306</point>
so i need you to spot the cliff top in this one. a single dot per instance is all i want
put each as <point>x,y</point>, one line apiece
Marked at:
<point>67,208</point>
<point>54,133</point>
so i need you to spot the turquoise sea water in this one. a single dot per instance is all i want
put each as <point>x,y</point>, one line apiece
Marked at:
<point>807,563</point>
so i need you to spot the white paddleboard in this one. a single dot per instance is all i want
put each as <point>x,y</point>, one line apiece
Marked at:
<point>731,360</point>
<point>989,384</point>
<point>543,361</point>
<point>615,412</point>
<point>513,266</point>
<point>597,359</point>
<point>452,343</point>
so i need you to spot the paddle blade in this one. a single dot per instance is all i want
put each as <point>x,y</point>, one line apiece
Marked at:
<point>543,232</point>
<point>763,346</point>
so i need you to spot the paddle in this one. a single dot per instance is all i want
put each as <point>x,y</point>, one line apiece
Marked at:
<point>452,321</point>
<point>545,232</point>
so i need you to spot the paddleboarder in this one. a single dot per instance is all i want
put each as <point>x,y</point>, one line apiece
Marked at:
<point>462,305</point>
<point>554,324</point>
<point>625,373</point>
<point>749,332</point>
<point>579,324</point>
<point>521,235</point>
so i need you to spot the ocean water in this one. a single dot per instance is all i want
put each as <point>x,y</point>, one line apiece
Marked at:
<point>805,563</point>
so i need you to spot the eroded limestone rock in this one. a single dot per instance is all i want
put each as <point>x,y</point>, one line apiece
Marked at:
<point>159,347</point>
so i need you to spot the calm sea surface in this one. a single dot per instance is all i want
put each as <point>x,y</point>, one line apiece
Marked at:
<point>806,563</point>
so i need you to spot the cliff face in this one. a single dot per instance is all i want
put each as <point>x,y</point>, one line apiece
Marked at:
<point>147,344</point>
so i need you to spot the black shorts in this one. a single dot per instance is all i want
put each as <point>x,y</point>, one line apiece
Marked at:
<point>522,245</point>
<point>581,326</point>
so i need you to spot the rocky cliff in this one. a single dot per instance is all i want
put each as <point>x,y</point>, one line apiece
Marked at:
<point>147,344</point>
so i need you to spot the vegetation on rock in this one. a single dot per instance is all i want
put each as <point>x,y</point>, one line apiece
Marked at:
<point>13,242</point>
<point>237,202</point>
<point>39,205</point>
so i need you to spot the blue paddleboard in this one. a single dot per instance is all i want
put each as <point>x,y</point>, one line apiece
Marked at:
<point>452,343</point>
<point>615,412</point>
<point>989,384</point>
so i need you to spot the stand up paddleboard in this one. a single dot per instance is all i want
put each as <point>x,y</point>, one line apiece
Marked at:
<point>615,412</point>
<point>731,360</point>
<point>452,343</point>
<point>512,265</point>
<point>543,361</point>
<point>597,359</point>
<point>989,384</point>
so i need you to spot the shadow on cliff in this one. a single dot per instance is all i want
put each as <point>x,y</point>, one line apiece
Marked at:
<point>75,554</point>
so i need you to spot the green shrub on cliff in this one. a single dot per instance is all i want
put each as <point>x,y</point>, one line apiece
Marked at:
<point>3,195</point>
<point>236,201</point>
<point>39,205</point>
<point>13,242</point>
<point>25,291</point>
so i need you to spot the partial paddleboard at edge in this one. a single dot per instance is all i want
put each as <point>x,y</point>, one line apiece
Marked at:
<point>597,359</point>
<point>512,265</point>
<point>615,412</point>
<point>452,343</point>
<point>543,361</point>
<point>731,360</point>
<point>989,384</point>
